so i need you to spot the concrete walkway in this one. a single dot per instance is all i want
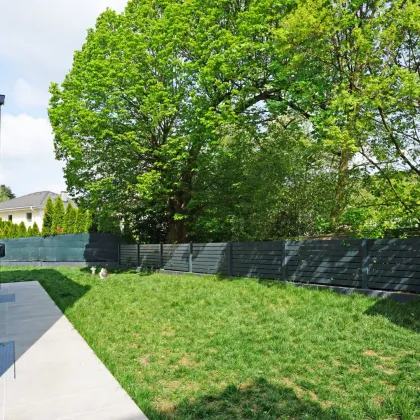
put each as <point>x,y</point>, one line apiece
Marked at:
<point>54,374</point>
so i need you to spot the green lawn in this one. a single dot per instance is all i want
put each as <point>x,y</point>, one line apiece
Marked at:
<point>202,347</point>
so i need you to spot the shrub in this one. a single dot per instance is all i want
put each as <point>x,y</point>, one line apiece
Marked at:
<point>21,232</point>
<point>80,221</point>
<point>35,230</point>
<point>58,217</point>
<point>48,218</point>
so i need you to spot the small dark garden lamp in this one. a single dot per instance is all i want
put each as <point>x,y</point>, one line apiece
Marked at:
<point>2,98</point>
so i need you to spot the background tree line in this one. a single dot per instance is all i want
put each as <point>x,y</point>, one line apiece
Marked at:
<point>6,193</point>
<point>57,221</point>
<point>214,120</point>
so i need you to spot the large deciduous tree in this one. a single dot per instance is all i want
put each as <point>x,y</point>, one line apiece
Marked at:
<point>357,65</point>
<point>156,93</point>
<point>119,119</point>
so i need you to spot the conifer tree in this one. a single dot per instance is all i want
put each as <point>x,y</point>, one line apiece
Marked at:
<point>48,218</point>
<point>58,217</point>
<point>6,230</point>
<point>80,221</point>
<point>22,230</point>
<point>35,230</point>
<point>73,220</point>
<point>88,221</point>
<point>67,225</point>
<point>14,231</point>
<point>29,232</point>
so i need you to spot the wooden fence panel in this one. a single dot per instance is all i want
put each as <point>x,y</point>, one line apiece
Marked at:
<point>331,263</point>
<point>129,255</point>
<point>149,256</point>
<point>394,264</point>
<point>257,259</point>
<point>385,264</point>
<point>176,257</point>
<point>210,258</point>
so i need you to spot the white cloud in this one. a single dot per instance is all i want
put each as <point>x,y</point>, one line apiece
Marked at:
<point>26,95</point>
<point>37,44</point>
<point>39,37</point>
<point>27,155</point>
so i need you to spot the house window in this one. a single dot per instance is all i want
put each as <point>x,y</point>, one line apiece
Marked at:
<point>29,217</point>
<point>10,217</point>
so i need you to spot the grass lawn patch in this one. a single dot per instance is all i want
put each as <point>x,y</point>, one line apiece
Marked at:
<point>190,347</point>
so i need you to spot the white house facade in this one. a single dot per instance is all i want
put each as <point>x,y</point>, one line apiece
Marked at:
<point>30,208</point>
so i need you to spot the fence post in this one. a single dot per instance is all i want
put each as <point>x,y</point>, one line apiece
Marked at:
<point>138,255</point>
<point>161,255</point>
<point>190,257</point>
<point>229,258</point>
<point>119,254</point>
<point>284,261</point>
<point>365,264</point>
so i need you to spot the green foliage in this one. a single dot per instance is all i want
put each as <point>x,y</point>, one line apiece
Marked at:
<point>72,221</point>
<point>58,217</point>
<point>6,193</point>
<point>47,227</point>
<point>245,120</point>
<point>21,230</point>
<point>69,225</point>
<point>14,230</point>
<point>271,190</point>
<point>35,229</point>
<point>88,221</point>
<point>80,221</point>
<point>107,225</point>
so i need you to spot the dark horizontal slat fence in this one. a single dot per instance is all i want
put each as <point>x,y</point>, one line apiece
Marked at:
<point>385,264</point>
<point>257,259</point>
<point>332,262</point>
<point>395,265</point>
<point>210,258</point>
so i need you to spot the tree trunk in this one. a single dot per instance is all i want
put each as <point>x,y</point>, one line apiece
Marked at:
<point>340,191</point>
<point>177,232</point>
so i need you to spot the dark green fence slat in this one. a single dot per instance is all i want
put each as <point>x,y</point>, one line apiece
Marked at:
<point>396,241</point>
<point>395,253</point>
<point>395,287</point>
<point>322,253</point>
<point>63,248</point>
<point>331,282</point>
<point>326,275</point>
<point>394,273</point>
<point>395,267</point>
<point>392,260</point>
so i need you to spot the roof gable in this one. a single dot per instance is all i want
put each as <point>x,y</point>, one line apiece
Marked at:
<point>37,200</point>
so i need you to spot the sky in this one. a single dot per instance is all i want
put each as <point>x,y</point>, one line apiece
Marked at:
<point>37,42</point>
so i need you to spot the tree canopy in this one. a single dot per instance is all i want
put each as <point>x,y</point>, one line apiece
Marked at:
<point>220,119</point>
<point>6,193</point>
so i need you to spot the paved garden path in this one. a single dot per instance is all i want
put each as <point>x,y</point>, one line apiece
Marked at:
<point>47,370</point>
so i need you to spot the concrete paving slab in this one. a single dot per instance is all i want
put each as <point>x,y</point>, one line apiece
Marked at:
<point>58,376</point>
<point>64,407</point>
<point>115,412</point>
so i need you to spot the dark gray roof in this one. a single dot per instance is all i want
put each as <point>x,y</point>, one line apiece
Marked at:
<point>35,200</point>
